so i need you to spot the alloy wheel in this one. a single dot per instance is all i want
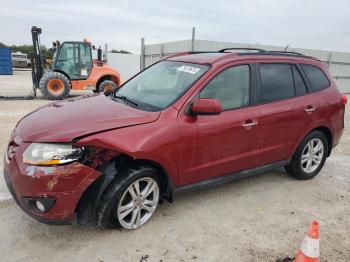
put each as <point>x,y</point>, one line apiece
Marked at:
<point>138,203</point>
<point>312,155</point>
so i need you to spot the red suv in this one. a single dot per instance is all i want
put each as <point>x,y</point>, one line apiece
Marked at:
<point>190,120</point>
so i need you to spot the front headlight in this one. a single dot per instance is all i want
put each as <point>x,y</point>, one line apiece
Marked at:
<point>43,154</point>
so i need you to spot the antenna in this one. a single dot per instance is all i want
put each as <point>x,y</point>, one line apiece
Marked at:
<point>285,49</point>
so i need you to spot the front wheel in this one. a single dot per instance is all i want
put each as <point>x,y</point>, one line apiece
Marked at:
<point>310,156</point>
<point>54,85</point>
<point>131,200</point>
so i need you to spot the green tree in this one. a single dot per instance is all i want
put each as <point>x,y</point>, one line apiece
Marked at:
<point>28,49</point>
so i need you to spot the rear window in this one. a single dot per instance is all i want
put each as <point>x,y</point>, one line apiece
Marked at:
<point>277,82</point>
<point>316,77</point>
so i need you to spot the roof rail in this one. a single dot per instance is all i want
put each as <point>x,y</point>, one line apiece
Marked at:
<point>258,51</point>
<point>242,48</point>
<point>286,52</point>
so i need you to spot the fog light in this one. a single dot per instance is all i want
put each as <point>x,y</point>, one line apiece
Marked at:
<point>39,206</point>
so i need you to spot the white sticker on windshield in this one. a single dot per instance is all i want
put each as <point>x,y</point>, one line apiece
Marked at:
<point>189,69</point>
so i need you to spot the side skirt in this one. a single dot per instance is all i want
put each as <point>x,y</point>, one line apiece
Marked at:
<point>231,177</point>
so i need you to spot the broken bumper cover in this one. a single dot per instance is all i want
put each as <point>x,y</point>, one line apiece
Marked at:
<point>62,184</point>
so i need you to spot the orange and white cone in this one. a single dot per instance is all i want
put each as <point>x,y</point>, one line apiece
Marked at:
<point>309,250</point>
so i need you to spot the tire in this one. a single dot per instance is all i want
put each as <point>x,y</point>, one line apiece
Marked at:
<point>299,167</point>
<point>109,210</point>
<point>54,85</point>
<point>107,87</point>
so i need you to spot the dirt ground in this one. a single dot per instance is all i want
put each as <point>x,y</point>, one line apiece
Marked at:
<point>261,218</point>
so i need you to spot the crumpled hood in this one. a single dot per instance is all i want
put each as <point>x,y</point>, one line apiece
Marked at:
<point>66,120</point>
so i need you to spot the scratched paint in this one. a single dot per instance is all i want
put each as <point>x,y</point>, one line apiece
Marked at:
<point>52,183</point>
<point>37,171</point>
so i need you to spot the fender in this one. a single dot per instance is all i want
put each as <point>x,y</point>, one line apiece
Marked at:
<point>97,72</point>
<point>159,146</point>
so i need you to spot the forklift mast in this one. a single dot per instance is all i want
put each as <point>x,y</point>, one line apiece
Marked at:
<point>36,58</point>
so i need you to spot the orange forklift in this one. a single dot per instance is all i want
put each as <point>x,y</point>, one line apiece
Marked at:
<point>72,68</point>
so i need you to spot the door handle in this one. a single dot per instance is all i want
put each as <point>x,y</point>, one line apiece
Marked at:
<point>249,124</point>
<point>310,109</point>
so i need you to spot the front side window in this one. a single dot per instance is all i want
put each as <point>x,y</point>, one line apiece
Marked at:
<point>161,84</point>
<point>276,81</point>
<point>68,60</point>
<point>316,77</point>
<point>230,87</point>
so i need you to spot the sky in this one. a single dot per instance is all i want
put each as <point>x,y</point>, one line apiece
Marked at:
<point>315,24</point>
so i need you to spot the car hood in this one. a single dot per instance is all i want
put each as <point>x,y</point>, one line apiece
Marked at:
<point>73,118</point>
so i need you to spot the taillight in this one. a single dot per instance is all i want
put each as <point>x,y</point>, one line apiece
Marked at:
<point>344,100</point>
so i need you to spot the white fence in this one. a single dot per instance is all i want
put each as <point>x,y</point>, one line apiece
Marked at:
<point>126,64</point>
<point>338,62</point>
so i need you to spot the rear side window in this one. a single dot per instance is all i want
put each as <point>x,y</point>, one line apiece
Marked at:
<point>316,77</point>
<point>300,87</point>
<point>277,82</point>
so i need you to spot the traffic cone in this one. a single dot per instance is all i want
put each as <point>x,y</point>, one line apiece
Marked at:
<point>309,250</point>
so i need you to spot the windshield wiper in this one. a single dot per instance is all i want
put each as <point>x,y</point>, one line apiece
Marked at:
<point>124,98</point>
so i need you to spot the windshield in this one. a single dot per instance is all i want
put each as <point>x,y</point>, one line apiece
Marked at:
<point>161,84</point>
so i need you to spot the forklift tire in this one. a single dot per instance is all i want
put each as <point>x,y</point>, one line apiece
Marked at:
<point>54,85</point>
<point>107,87</point>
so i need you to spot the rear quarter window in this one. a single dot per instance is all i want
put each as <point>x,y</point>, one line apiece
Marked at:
<point>318,80</point>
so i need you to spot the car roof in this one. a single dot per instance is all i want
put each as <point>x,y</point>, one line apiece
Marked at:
<point>200,57</point>
<point>212,57</point>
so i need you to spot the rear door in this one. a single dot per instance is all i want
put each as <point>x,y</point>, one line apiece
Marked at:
<point>216,145</point>
<point>283,101</point>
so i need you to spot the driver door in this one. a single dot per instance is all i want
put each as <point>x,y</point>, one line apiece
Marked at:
<point>217,145</point>
<point>85,60</point>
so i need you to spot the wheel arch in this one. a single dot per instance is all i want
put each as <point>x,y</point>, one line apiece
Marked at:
<point>88,202</point>
<point>111,77</point>
<point>326,131</point>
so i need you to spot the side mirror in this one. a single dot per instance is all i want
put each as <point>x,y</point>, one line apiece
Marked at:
<point>206,106</point>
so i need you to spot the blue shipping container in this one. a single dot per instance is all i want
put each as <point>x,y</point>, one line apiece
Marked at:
<point>5,61</point>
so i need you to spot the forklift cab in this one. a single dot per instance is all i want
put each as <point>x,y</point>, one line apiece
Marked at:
<point>74,59</point>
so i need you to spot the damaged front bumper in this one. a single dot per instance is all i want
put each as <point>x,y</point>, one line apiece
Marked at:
<point>57,188</point>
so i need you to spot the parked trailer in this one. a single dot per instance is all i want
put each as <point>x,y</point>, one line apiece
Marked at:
<point>19,59</point>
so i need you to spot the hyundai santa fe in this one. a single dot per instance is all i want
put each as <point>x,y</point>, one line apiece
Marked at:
<point>190,120</point>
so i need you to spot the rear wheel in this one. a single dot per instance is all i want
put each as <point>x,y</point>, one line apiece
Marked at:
<point>54,85</point>
<point>309,157</point>
<point>107,87</point>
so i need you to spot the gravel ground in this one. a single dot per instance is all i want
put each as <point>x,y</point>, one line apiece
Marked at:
<point>261,218</point>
